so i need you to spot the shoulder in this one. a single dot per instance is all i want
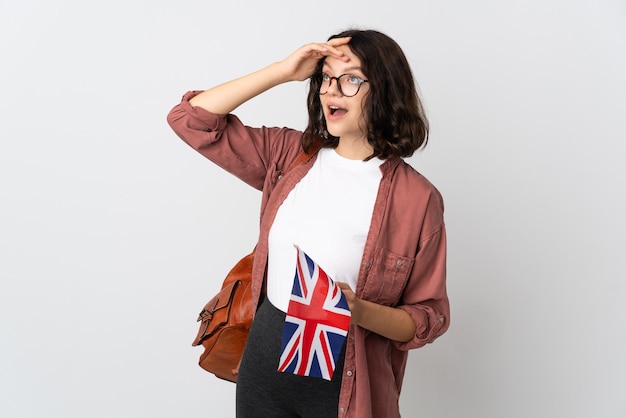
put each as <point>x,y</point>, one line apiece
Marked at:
<point>415,198</point>
<point>406,177</point>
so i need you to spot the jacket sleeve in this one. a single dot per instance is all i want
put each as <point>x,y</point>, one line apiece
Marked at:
<point>241,150</point>
<point>425,297</point>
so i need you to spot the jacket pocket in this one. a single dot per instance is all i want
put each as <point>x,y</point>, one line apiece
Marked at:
<point>387,277</point>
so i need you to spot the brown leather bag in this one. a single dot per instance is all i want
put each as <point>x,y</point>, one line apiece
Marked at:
<point>225,320</point>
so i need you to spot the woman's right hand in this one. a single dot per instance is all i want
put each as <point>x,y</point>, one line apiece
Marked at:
<point>298,66</point>
<point>301,64</point>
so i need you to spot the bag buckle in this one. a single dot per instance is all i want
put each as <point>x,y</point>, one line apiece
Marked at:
<point>207,313</point>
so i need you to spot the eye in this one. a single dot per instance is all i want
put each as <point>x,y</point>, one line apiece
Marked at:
<point>352,79</point>
<point>325,77</point>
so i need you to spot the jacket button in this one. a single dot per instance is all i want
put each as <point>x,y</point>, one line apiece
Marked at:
<point>349,372</point>
<point>367,264</point>
<point>399,263</point>
<point>280,176</point>
<point>342,410</point>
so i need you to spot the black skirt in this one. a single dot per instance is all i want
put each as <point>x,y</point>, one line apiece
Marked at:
<point>262,391</point>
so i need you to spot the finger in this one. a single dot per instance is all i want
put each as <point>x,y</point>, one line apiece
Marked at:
<point>329,48</point>
<point>336,53</point>
<point>339,41</point>
<point>317,51</point>
<point>343,286</point>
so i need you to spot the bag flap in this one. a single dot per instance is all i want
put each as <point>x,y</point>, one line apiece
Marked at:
<point>216,312</point>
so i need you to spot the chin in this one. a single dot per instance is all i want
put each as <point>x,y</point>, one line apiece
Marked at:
<point>333,131</point>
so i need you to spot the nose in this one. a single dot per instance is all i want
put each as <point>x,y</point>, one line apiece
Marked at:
<point>334,89</point>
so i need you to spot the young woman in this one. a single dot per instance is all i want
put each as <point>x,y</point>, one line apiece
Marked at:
<point>366,217</point>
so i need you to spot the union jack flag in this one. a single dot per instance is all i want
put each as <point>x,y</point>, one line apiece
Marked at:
<point>316,323</point>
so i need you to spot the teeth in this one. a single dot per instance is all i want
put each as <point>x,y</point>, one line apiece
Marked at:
<point>333,109</point>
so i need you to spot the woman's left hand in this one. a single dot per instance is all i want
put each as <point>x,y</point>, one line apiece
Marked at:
<point>393,323</point>
<point>352,299</point>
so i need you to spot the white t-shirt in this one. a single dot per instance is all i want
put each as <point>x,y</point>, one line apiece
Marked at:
<point>327,215</point>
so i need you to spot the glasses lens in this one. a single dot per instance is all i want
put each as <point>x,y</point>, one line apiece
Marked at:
<point>349,85</point>
<point>324,83</point>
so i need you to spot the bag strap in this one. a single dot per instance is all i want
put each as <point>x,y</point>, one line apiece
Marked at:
<point>305,156</point>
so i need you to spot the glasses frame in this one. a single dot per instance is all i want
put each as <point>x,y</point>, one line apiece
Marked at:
<point>338,84</point>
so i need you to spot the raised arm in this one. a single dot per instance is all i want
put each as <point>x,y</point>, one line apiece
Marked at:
<point>298,66</point>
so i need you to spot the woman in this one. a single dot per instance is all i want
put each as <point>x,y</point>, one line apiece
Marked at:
<point>370,220</point>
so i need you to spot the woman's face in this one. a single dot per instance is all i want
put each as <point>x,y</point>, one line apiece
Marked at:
<point>344,115</point>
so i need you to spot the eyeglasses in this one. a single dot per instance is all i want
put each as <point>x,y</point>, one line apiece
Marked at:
<point>347,84</point>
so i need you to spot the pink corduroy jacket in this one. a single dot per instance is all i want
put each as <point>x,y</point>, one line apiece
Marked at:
<point>404,260</point>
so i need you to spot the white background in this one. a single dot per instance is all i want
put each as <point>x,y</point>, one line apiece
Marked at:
<point>113,232</point>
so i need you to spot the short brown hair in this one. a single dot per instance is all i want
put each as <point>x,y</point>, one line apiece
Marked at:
<point>395,119</point>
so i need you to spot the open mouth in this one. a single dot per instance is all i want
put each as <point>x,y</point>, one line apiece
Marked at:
<point>336,110</point>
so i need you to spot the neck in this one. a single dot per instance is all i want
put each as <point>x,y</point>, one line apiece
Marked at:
<point>354,149</point>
